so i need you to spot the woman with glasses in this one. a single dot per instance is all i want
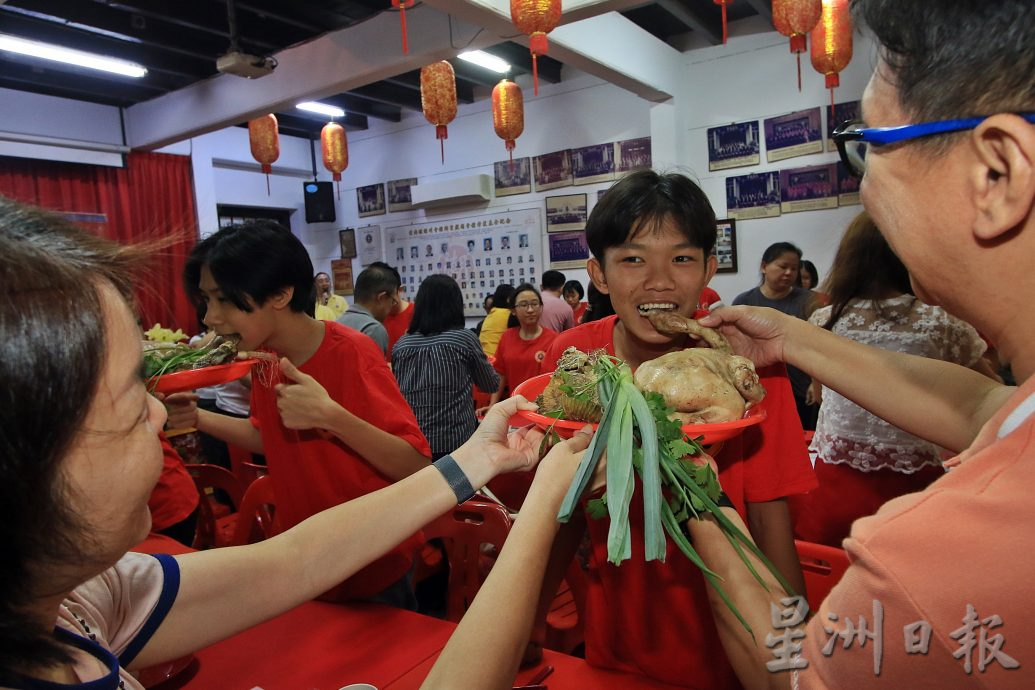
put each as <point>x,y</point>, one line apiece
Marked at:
<point>518,355</point>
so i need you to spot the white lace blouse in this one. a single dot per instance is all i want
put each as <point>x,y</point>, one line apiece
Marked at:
<point>845,433</point>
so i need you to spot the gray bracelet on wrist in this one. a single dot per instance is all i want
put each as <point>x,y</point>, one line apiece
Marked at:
<point>455,477</point>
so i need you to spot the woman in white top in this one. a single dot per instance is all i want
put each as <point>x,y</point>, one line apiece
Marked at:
<point>863,461</point>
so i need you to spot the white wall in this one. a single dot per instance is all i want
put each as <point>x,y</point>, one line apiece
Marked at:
<point>754,77</point>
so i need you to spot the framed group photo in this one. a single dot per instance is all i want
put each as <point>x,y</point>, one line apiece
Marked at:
<point>726,245</point>
<point>370,200</point>
<point>565,213</point>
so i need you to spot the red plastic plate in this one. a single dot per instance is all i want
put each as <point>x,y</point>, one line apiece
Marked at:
<point>712,433</point>
<point>190,379</point>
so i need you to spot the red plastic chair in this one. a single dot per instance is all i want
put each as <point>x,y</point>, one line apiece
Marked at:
<point>463,531</point>
<point>216,522</point>
<point>243,467</point>
<point>564,622</point>
<point>823,567</point>
<point>255,517</point>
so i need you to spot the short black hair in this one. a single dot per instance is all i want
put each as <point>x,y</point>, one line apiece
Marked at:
<point>501,298</point>
<point>778,249</point>
<point>254,260</point>
<point>956,58</point>
<point>376,278</point>
<point>646,198</point>
<point>438,307</point>
<point>552,280</point>
<point>393,269</point>
<point>807,266</point>
<point>573,286</point>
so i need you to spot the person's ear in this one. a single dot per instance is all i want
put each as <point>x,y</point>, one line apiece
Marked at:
<point>1002,175</point>
<point>711,265</point>
<point>281,299</point>
<point>596,274</point>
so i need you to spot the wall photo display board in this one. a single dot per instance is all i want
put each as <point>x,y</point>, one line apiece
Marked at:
<point>478,252</point>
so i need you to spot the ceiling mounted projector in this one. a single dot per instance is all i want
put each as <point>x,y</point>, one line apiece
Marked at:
<point>244,65</point>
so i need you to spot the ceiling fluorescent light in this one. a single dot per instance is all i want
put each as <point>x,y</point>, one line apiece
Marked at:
<point>321,108</point>
<point>47,51</point>
<point>483,59</point>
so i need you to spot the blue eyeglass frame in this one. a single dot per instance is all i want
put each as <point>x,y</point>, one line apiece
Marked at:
<point>881,136</point>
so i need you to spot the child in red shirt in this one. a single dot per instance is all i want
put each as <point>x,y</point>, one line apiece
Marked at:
<point>652,238</point>
<point>330,418</point>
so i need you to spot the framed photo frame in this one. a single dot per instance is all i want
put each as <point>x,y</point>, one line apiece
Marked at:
<point>347,240</point>
<point>341,276</point>
<point>566,213</point>
<point>370,200</point>
<point>726,245</point>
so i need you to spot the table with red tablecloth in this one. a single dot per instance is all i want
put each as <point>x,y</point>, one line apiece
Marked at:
<point>320,646</point>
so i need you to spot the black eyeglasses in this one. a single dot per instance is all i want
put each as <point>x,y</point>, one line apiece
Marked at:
<point>853,137</point>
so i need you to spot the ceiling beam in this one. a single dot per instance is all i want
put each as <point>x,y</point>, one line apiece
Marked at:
<point>362,106</point>
<point>351,122</point>
<point>341,61</point>
<point>692,20</point>
<point>518,56</point>
<point>763,7</point>
<point>573,45</point>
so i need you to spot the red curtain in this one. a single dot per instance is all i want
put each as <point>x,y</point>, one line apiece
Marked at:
<point>151,198</point>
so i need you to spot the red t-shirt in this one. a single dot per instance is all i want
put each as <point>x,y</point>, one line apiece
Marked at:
<point>518,360</point>
<point>578,311</point>
<point>312,472</point>
<point>708,298</point>
<point>396,325</point>
<point>175,496</point>
<point>654,618</point>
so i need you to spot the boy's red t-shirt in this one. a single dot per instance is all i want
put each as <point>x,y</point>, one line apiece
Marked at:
<point>654,618</point>
<point>175,496</point>
<point>519,360</point>
<point>312,471</point>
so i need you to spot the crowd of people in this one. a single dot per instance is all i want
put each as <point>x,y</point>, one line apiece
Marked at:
<point>366,444</point>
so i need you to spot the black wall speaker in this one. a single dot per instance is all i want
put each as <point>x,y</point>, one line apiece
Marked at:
<point>319,202</point>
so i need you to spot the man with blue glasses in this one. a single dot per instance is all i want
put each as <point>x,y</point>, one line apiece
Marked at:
<point>940,579</point>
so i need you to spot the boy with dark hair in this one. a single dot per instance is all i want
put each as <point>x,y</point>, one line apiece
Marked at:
<point>329,418</point>
<point>652,237</point>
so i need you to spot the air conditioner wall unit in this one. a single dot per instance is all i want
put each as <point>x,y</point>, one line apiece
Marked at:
<point>472,189</point>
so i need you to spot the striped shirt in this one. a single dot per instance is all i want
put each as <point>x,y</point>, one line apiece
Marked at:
<point>435,374</point>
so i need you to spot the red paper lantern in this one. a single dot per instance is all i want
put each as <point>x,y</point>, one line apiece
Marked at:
<point>402,6</point>
<point>438,98</point>
<point>795,19</point>
<point>832,42</point>
<point>725,30</point>
<point>335,146</point>
<point>536,18</point>
<point>508,113</point>
<point>264,140</point>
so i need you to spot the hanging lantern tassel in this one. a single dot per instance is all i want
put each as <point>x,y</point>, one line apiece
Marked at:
<point>335,145</point>
<point>725,29</point>
<point>536,18</point>
<point>795,19</point>
<point>264,141</point>
<point>832,43</point>
<point>438,99</point>
<point>508,113</point>
<point>402,6</point>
